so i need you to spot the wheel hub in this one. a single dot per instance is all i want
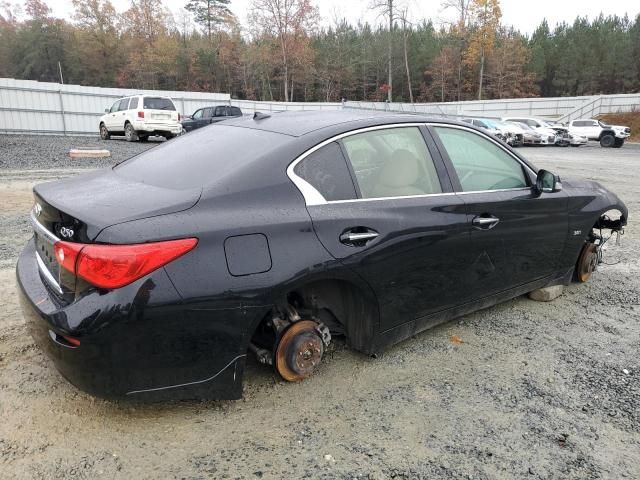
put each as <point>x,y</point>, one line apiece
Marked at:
<point>588,261</point>
<point>299,351</point>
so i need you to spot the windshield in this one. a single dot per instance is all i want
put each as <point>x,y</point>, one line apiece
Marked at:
<point>524,126</point>
<point>490,123</point>
<point>158,103</point>
<point>602,124</point>
<point>200,158</point>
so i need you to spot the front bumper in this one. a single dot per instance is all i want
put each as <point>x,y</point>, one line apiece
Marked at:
<point>138,342</point>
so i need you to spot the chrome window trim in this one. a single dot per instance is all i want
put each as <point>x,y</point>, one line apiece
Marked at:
<point>313,197</point>
<point>492,140</point>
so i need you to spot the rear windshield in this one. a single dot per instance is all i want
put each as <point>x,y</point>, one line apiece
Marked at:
<point>158,103</point>
<point>201,157</point>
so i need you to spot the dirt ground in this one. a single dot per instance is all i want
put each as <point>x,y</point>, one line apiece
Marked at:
<point>521,390</point>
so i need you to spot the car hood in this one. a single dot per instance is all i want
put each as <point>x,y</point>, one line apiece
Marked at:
<point>103,198</point>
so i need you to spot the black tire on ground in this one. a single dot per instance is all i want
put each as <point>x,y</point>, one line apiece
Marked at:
<point>104,133</point>
<point>130,133</point>
<point>607,141</point>
<point>143,138</point>
<point>169,136</point>
<point>619,143</point>
<point>576,144</point>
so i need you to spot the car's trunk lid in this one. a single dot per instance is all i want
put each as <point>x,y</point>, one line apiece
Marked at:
<point>78,208</point>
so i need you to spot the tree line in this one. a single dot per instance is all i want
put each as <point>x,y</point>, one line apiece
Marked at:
<point>285,53</point>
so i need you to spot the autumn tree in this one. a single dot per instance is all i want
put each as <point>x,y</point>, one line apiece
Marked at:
<point>96,42</point>
<point>507,75</point>
<point>289,22</point>
<point>440,76</point>
<point>485,18</point>
<point>459,30</point>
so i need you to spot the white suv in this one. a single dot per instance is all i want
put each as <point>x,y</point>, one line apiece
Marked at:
<point>139,117</point>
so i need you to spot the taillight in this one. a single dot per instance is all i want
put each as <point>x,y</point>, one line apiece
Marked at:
<point>141,114</point>
<point>67,254</point>
<point>114,266</point>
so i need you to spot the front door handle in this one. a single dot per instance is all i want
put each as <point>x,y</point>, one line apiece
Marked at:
<point>485,223</point>
<point>358,237</point>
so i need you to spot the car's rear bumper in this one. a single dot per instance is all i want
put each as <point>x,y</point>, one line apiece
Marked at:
<point>170,127</point>
<point>138,341</point>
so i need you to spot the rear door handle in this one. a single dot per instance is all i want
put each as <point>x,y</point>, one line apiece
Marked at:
<point>359,237</point>
<point>485,223</point>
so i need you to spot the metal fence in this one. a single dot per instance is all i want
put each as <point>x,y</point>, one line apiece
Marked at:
<point>559,108</point>
<point>50,108</point>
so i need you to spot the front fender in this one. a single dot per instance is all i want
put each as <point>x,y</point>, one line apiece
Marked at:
<point>588,201</point>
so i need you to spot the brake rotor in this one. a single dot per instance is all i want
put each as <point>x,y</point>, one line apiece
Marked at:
<point>587,261</point>
<point>299,351</point>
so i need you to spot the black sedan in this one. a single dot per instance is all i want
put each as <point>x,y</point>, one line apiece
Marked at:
<point>267,236</point>
<point>208,115</point>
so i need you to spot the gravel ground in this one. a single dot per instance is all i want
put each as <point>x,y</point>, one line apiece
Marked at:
<point>533,390</point>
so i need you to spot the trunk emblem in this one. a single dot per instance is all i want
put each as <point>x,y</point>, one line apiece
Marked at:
<point>66,232</point>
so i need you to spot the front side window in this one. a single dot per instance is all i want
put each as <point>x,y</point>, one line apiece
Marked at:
<point>392,162</point>
<point>235,111</point>
<point>326,170</point>
<point>114,107</point>
<point>198,114</point>
<point>479,163</point>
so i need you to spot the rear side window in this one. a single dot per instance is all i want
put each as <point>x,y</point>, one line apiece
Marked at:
<point>202,157</point>
<point>133,103</point>
<point>123,105</point>
<point>479,163</point>
<point>392,162</point>
<point>158,103</point>
<point>326,170</point>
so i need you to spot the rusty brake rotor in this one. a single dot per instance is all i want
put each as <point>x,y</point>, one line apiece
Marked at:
<point>587,262</point>
<point>299,351</point>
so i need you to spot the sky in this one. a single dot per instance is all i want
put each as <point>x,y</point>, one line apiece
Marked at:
<point>525,15</point>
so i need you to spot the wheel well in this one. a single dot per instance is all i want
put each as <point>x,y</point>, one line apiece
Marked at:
<point>606,132</point>
<point>342,306</point>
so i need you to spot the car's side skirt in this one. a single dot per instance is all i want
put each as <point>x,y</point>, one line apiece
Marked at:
<point>412,328</point>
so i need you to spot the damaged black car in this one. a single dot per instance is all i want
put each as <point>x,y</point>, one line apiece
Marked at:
<point>270,235</point>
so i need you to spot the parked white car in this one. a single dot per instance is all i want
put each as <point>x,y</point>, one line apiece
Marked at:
<point>607,135</point>
<point>139,117</point>
<point>548,135</point>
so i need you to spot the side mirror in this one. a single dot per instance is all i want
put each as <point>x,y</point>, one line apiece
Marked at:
<point>547,182</point>
<point>107,110</point>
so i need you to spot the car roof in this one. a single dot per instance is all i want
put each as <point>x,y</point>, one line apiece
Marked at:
<point>301,123</point>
